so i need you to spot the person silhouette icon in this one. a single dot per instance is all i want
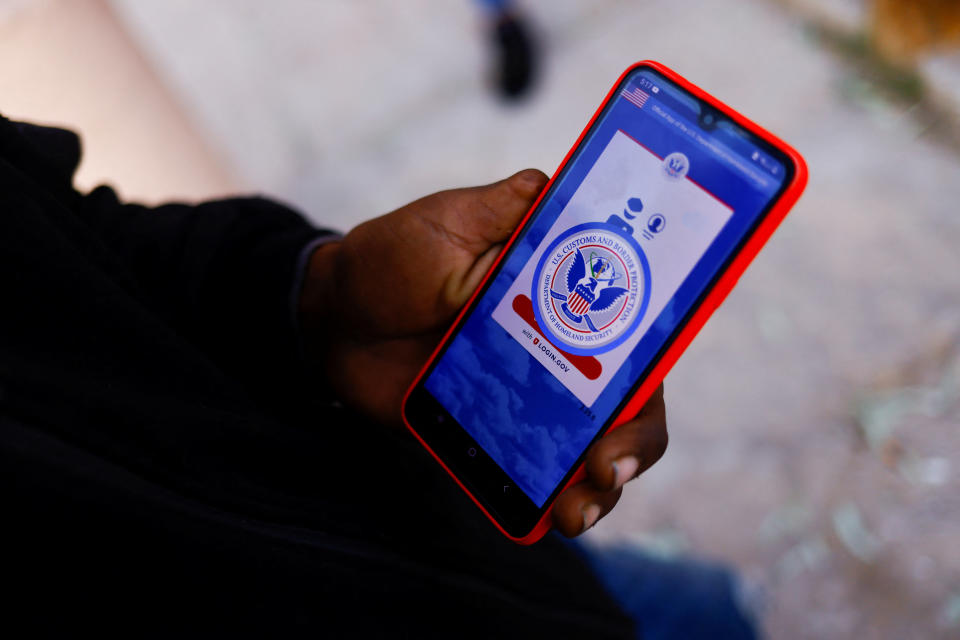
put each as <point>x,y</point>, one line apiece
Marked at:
<point>656,223</point>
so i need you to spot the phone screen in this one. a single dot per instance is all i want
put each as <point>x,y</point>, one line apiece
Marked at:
<point>654,203</point>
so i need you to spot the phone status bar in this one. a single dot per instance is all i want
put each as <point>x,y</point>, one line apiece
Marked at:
<point>647,96</point>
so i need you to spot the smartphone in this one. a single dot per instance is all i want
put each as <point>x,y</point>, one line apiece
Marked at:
<point>643,230</point>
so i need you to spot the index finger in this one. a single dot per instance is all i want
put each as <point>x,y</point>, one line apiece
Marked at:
<point>630,449</point>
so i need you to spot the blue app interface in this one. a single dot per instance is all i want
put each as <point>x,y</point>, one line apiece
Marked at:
<point>643,218</point>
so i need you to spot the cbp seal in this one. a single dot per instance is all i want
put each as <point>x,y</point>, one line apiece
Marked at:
<point>591,286</point>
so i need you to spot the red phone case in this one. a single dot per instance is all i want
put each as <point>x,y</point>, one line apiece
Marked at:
<point>711,301</point>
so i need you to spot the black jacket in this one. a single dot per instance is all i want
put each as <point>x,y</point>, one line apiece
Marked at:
<point>170,466</point>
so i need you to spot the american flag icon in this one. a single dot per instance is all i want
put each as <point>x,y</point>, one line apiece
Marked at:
<point>636,96</point>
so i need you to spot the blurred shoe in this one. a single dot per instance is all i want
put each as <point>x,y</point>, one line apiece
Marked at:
<point>516,63</point>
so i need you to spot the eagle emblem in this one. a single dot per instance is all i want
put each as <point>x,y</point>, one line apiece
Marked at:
<point>591,287</point>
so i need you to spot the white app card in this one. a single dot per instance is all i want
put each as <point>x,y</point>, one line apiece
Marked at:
<point>601,281</point>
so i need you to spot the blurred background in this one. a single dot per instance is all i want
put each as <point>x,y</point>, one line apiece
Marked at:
<point>813,422</point>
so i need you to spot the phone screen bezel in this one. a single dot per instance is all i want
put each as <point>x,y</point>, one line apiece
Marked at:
<point>483,478</point>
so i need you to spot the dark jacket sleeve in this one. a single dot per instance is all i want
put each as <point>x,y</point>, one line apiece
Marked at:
<point>221,273</point>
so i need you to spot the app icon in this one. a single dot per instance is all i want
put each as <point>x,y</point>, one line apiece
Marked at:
<point>676,165</point>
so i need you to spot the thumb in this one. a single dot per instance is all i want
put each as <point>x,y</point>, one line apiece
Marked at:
<point>498,208</point>
<point>497,212</point>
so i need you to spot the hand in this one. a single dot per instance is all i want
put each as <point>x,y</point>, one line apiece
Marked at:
<point>375,305</point>
<point>613,460</point>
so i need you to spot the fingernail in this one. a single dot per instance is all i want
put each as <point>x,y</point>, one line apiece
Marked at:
<point>590,514</point>
<point>624,469</point>
<point>531,179</point>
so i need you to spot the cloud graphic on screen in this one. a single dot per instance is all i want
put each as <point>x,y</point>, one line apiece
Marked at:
<point>501,342</point>
<point>485,380</point>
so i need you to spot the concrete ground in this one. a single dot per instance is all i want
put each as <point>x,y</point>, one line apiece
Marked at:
<point>813,422</point>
